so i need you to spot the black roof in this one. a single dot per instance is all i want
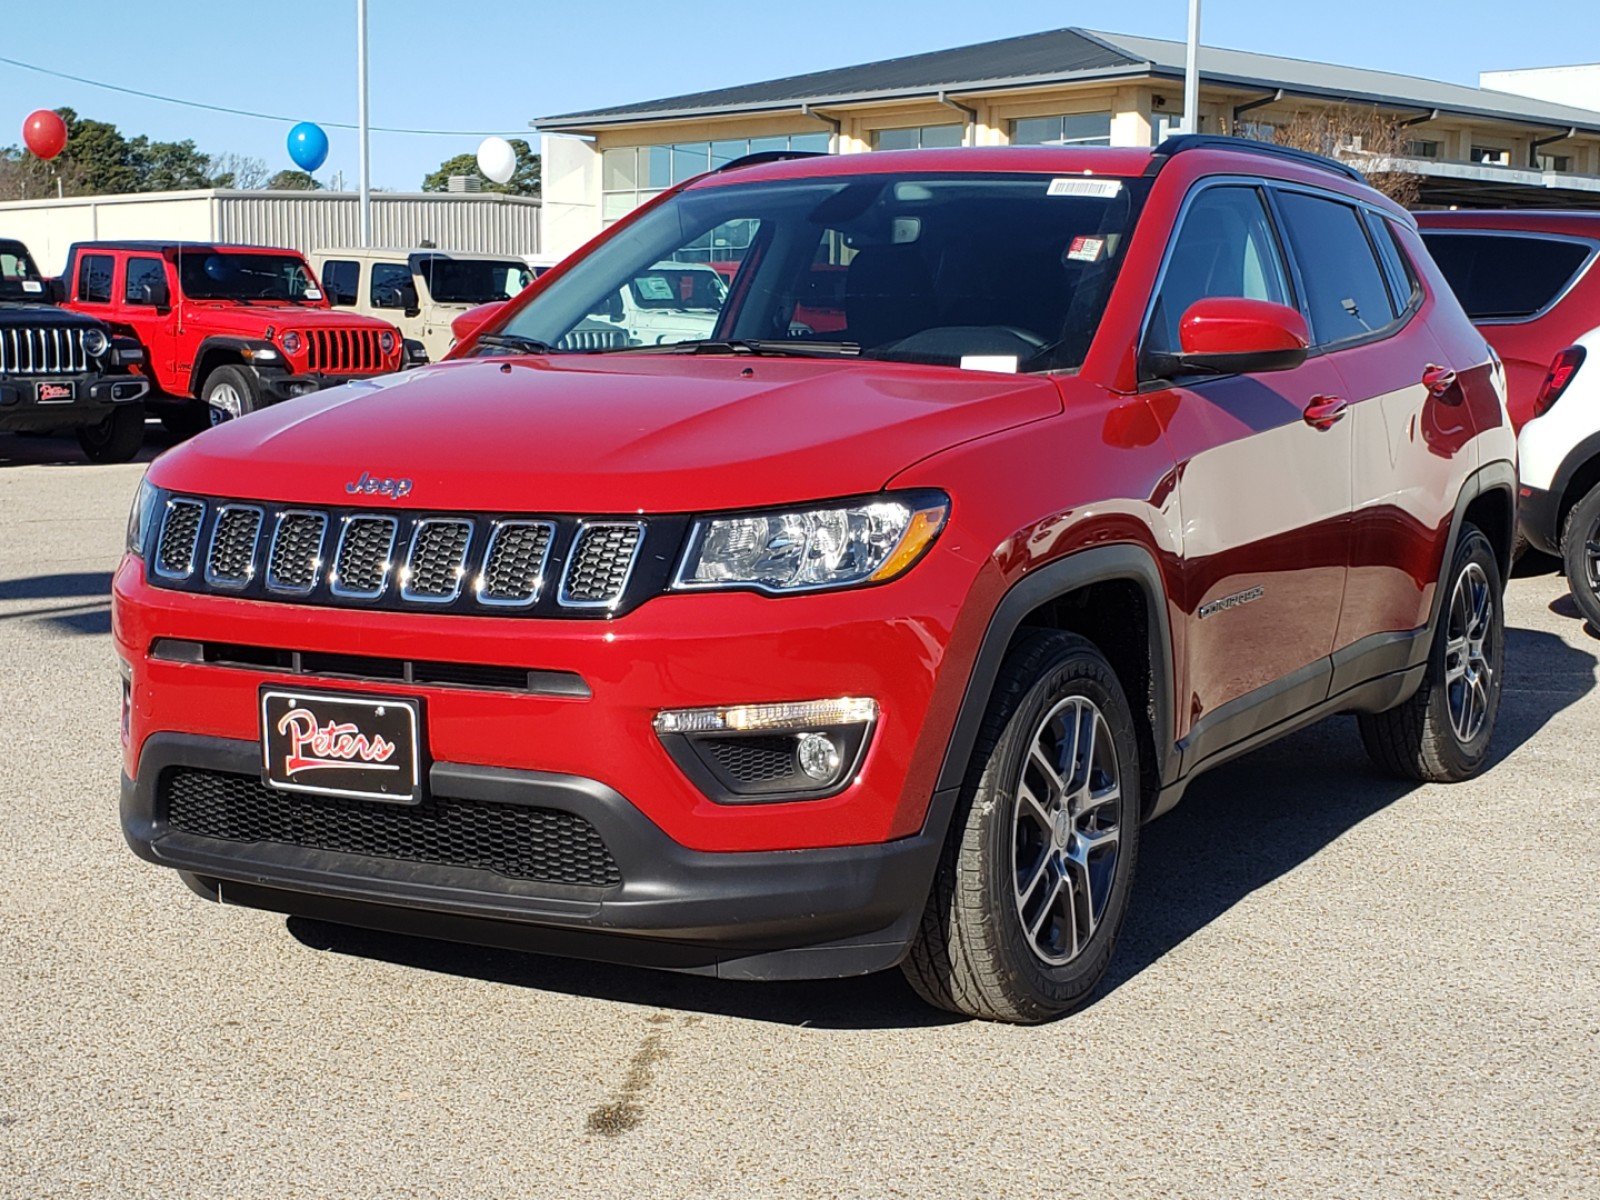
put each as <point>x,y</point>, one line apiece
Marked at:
<point>162,246</point>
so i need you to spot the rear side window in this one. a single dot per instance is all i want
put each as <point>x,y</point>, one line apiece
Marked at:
<point>94,278</point>
<point>1225,247</point>
<point>1506,275</point>
<point>1345,288</point>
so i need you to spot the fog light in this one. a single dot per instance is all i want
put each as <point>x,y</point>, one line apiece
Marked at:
<point>819,757</point>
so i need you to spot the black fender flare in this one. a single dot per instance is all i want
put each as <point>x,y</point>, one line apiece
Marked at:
<point>1576,460</point>
<point>1498,476</point>
<point>1054,579</point>
<point>237,351</point>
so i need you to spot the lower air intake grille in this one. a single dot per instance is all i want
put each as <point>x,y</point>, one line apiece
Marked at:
<point>760,759</point>
<point>540,844</point>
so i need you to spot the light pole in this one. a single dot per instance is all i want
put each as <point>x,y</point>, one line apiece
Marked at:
<point>1191,73</point>
<point>361,119</point>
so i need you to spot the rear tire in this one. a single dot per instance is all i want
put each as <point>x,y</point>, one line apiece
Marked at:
<point>1580,555</point>
<point>1442,733</point>
<point>116,439</point>
<point>1034,879</point>
<point>230,393</point>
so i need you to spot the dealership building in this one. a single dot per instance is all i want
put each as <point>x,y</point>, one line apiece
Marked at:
<point>1522,139</point>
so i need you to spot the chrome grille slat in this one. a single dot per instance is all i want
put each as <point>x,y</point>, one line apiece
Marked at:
<point>514,565</point>
<point>43,350</point>
<point>296,557</point>
<point>436,565</point>
<point>600,564</point>
<point>365,557</point>
<point>235,537</point>
<point>180,538</point>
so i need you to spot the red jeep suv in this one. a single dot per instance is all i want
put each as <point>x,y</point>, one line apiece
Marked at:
<point>226,330</point>
<point>782,652</point>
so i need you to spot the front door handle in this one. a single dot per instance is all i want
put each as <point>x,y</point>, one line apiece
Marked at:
<point>1324,412</point>
<point>1438,380</point>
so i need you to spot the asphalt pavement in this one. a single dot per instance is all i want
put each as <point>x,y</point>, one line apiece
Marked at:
<point>1332,984</point>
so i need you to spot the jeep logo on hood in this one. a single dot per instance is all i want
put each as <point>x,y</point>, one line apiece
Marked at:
<point>371,485</point>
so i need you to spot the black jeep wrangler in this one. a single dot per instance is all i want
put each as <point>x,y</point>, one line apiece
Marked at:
<point>62,371</point>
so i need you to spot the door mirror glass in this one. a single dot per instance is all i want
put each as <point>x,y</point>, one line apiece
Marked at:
<point>1230,335</point>
<point>153,291</point>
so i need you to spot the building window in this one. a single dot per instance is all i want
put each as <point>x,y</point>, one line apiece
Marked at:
<point>920,137</point>
<point>1073,129</point>
<point>630,175</point>
<point>1422,149</point>
<point>1555,162</point>
<point>1491,156</point>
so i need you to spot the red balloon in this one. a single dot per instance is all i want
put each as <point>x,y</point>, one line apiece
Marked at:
<point>45,133</point>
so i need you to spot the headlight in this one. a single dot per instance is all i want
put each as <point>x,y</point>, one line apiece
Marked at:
<point>146,503</point>
<point>95,342</point>
<point>291,342</point>
<point>386,342</point>
<point>869,541</point>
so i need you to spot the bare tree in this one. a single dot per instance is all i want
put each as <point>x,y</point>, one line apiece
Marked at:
<point>239,171</point>
<point>1362,136</point>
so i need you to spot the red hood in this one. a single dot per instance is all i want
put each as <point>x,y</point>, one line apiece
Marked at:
<point>607,435</point>
<point>251,320</point>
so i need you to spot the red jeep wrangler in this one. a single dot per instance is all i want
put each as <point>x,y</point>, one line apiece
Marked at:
<point>778,654</point>
<point>226,329</point>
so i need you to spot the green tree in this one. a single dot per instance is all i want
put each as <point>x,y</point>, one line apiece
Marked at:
<point>168,166</point>
<point>293,181</point>
<point>524,183</point>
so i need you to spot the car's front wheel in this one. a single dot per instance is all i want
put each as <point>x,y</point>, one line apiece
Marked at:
<point>1580,555</point>
<point>116,439</point>
<point>230,393</point>
<point>1033,883</point>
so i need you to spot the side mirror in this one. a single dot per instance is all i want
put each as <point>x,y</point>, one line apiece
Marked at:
<point>55,291</point>
<point>614,310</point>
<point>154,293</point>
<point>1229,335</point>
<point>474,319</point>
<point>408,299</point>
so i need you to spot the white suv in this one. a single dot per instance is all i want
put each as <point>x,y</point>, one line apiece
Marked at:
<point>1559,452</point>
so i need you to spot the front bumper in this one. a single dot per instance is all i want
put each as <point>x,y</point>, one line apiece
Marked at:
<point>90,402</point>
<point>813,913</point>
<point>277,387</point>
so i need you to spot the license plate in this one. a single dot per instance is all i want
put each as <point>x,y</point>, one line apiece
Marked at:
<point>54,393</point>
<point>361,747</point>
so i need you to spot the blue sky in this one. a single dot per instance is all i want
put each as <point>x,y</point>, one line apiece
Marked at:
<point>494,64</point>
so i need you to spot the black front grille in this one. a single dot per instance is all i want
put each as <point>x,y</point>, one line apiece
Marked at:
<point>513,570</point>
<point>296,551</point>
<point>366,552</point>
<point>180,534</point>
<point>438,560</point>
<point>753,759</point>
<point>539,844</point>
<point>601,563</point>
<point>231,562</point>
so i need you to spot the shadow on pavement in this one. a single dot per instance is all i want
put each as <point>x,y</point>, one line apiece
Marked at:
<point>1239,828</point>
<point>62,450</point>
<point>90,616</point>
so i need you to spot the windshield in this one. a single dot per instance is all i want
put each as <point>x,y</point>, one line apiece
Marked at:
<point>219,275</point>
<point>19,278</point>
<point>471,281</point>
<point>926,268</point>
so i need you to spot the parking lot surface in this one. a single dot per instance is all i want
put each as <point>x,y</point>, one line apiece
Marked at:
<point>1330,984</point>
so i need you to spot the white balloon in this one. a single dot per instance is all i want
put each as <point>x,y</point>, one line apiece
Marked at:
<point>497,160</point>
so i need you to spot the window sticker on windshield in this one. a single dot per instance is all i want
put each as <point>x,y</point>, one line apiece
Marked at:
<point>32,285</point>
<point>1102,189</point>
<point>313,293</point>
<point>654,287</point>
<point>1006,364</point>
<point>1085,248</point>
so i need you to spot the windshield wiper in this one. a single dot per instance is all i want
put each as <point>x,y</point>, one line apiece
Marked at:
<point>514,341</point>
<point>779,347</point>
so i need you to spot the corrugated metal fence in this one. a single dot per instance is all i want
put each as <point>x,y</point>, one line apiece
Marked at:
<point>484,222</point>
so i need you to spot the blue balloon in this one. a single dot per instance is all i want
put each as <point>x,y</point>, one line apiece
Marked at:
<point>308,146</point>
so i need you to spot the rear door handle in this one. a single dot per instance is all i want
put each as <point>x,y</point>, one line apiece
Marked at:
<point>1324,412</point>
<point>1438,380</point>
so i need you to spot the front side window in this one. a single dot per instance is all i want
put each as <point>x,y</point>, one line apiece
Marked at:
<point>142,272</point>
<point>94,278</point>
<point>928,267</point>
<point>1225,247</point>
<point>1506,276</point>
<point>342,280</point>
<point>389,282</point>
<point>233,275</point>
<point>1346,294</point>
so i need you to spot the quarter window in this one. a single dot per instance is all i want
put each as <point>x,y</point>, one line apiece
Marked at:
<point>1402,280</point>
<point>1225,247</point>
<point>1505,275</point>
<point>140,272</point>
<point>1345,288</point>
<point>341,279</point>
<point>94,278</point>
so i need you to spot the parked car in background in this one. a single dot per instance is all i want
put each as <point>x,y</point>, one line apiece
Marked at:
<point>61,372</point>
<point>779,656</point>
<point>225,330</point>
<point>1524,279</point>
<point>420,292</point>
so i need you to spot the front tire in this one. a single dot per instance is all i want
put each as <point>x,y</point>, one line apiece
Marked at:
<point>1442,733</point>
<point>230,393</point>
<point>116,439</point>
<point>1580,555</point>
<point>1034,879</point>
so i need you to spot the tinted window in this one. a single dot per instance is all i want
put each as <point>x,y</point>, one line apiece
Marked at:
<point>341,279</point>
<point>1505,274</point>
<point>1225,247</point>
<point>229,275</point>
<point>94,278</point>
<point>1345,289</point>
<point>140,272</point>
<point>388,280</point>
<point>1396,269</point>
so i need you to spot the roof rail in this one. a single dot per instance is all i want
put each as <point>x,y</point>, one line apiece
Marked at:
<point>765,156</point>
<point>1216,141</point>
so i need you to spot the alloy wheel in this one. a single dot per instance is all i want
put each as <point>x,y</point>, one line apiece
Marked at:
<point>1065,833</point>
<point>225,403</point>
<point>1468,672</point>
